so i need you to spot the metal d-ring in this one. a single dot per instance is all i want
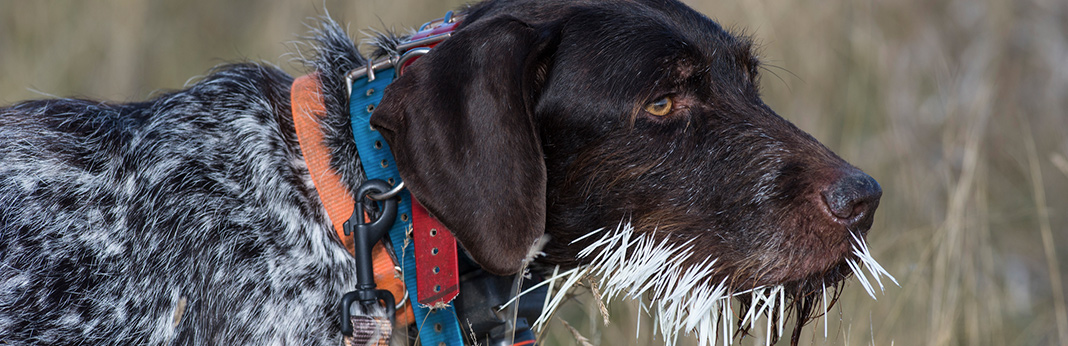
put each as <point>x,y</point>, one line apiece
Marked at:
<point>408,56</point>
<point>388,194</point>
<point>400,304</point>
<point>423,41</point>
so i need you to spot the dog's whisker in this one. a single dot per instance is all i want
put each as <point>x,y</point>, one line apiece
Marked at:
<point>575,275</point>
<point>861,278</point>
<point>782,309</point>
<point>823,291</point>
<point>626,264</point>
<point>861,250</point>
<point>767,333</point>
<point>751,313</point>
<point>629,265</point>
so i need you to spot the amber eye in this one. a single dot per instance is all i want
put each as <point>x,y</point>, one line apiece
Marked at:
<point>660,107</point>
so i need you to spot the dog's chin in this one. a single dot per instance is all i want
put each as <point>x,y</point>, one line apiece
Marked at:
<point>701,296</point>
<point>826,264</point>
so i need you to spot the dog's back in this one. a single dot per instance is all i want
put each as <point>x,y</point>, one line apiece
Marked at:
<point>161,221</point>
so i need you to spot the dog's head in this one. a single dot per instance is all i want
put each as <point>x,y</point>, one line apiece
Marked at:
<point>563,118</point>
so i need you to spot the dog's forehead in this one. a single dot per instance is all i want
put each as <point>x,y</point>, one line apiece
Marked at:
<point>643,39</point>
<point>644,24</point>
<point>622,26</point>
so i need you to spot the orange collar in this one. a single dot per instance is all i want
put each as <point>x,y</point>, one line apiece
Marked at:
<point>308,111</point>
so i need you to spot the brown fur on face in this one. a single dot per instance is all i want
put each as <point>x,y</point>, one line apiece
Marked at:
<point>539,128</point>
<point>541,121</point>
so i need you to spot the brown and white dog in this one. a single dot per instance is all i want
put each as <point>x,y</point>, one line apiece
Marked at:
<point>632,133</point>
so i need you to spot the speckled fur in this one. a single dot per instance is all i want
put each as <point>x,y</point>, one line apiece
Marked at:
<point>186,219</point>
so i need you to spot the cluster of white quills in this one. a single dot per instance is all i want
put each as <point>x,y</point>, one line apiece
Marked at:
<point>632,265</point>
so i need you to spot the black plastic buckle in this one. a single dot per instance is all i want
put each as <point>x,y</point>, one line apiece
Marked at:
<point>365,236</point>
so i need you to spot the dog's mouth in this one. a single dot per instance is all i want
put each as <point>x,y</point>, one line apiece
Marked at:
<point>687,295</point>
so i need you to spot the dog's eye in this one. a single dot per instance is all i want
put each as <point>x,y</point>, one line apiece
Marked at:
<point>659,107</point>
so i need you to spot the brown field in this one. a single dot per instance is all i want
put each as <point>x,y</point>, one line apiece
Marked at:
<point>959,108</point>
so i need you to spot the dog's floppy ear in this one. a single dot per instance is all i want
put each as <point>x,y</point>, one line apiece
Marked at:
<point>460,124</point>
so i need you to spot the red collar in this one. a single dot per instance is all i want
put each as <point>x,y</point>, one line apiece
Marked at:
<point>308,110</point>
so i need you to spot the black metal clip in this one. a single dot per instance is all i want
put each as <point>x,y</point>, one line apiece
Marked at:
<point>366,235</point>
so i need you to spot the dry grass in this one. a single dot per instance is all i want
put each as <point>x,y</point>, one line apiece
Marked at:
<point>957,107</point>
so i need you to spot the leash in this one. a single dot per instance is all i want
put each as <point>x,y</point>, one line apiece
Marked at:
<point>426,250</point>
<point>433,244</point>
<point>428,254</point>
<point>308,110</point>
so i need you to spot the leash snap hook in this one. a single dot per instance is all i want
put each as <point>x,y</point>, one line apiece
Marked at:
<point>366,235</point>
<point>379,191</point>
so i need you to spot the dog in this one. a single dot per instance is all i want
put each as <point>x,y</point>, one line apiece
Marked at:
<point>622,130</point>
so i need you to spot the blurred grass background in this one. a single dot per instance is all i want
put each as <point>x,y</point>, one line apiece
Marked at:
<point>958,107</point>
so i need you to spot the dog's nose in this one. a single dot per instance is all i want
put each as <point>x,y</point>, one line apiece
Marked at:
<point>852,199</point>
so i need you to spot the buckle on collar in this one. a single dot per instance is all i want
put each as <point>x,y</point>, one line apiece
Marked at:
<point>430,33</point>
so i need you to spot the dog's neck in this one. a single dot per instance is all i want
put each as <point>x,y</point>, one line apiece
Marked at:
<point>436,250</point>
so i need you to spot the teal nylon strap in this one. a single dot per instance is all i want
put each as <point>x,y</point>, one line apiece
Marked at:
<point>378,163</point>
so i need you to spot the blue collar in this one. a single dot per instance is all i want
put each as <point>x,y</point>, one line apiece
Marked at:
<point>366,85</point>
